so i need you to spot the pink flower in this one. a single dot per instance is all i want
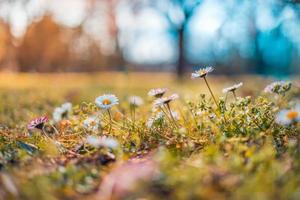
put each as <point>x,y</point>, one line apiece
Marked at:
<point>37,123</point>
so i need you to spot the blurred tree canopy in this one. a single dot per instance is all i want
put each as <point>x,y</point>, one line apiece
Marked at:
<point>42,47</point>
<point>259,36</point>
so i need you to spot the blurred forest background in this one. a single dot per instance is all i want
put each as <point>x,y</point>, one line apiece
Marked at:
<point>236,36</point>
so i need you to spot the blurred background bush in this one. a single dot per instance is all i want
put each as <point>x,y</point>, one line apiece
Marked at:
<point>236,36</point>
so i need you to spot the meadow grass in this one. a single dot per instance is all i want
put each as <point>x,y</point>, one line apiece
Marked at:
<point>244,144</point>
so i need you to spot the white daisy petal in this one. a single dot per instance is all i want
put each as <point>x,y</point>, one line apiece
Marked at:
<point>157,92</point>
<point>106,101</point>
<point>202,72</point>
<point>165,100</point>
<point>232,88</point>
<point>103,141</point>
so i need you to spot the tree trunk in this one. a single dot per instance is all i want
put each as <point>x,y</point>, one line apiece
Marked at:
<point>260,64</point>
<point>113,30</point>
<point>180,68</point>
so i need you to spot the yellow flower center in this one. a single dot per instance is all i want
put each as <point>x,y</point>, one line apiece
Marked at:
<point>106,102</point>
<point>202,72</point>
<point>292,115</point>
<point>93,123</point>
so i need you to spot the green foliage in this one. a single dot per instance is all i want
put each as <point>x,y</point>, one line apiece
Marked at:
<point>232,150</point>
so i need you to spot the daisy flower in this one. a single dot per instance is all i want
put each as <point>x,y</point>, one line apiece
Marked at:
<point>157,92</point>
<point>37,123</point>
<point>106,101</point>
<point>102,142</point>
<point>62,112</point>
<point>286,117</point>
<point>91,123</point>
<point>165,100</point>
<point>278,87</point>
<point>135,101</point>
<point>232,88</point>
<point>202,72</point>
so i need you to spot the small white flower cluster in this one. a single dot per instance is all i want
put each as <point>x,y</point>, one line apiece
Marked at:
<point>158,93</point>
<point>103,141</point>
<point>161,103</point>
<point>278,87</point>
<point>62,112</point>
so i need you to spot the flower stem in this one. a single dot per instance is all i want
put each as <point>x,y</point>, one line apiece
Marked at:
<point>110,120</point>
<point>210,91</point>
<point>233,92</point>
<point>45,133</point>
<point>166,114</point>
<point>61,148</point>
<point>172,117</point>
<point>133,115</point>
<point>55,130</point>
<point>226,98</point>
